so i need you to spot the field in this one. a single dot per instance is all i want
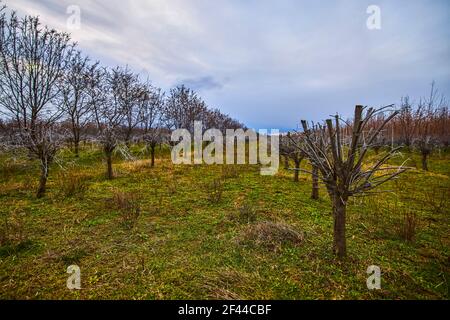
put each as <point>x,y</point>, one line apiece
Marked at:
<point>202,232</point>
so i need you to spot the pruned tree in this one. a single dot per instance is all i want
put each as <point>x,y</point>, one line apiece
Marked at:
<point>74,98</point>
<point>32,61</point>
<point>342,167</point>
<point>315,183</point>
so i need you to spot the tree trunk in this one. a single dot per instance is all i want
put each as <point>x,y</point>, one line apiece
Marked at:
<point>77,148</point>
<point>339,242</point>
<point>76,138</point>
<point>128,139</point>
<point>43,179</point>
<point>315,183</point>
<point>286,163</point>
<point>152,151</point>
<point>109,173</point>
<point>425,161</point>
<point>296,171</point>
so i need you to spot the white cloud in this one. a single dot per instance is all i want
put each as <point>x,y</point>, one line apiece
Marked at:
<point>250,55</point>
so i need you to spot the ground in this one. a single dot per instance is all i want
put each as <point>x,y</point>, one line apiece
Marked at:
<point>194,235</point>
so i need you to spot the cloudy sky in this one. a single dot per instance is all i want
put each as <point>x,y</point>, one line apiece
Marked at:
<point>268,63</point>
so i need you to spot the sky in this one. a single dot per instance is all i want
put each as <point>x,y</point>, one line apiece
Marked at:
<point>267,63</point>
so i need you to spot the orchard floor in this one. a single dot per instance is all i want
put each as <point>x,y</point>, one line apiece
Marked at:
<point>187,245</point>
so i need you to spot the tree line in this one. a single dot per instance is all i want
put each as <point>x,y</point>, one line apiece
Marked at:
<point>51,95</point>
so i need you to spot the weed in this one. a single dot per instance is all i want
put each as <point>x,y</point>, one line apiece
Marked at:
<point>408,229</point>
<point>230,172</point>
<point>247,213</point>
<point>214,191</point>
<point>129,208</point>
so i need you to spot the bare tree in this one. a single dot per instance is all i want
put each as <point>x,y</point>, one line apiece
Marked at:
<point>426,138</point>
<point>182,107</point>
<point>216,119</point>
<point>105,92</point>
<point>407,123</point>
<point>341,166</point>
<point>289,149</point>
<point>151,120</point>
<point>130,95</point>
<point>75,101</point>
<point>442,125</point>
<point>32,60</point>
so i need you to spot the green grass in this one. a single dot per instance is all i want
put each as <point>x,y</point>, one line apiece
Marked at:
<point>185,246</point>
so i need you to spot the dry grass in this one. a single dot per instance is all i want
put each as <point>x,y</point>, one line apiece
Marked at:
<point>71,183</point>
<point>128,206</point>
<point>270,235</point>
<point>12,229</point>
<point>219,286</point>
<point>408,229</point>
<point>230,172</point>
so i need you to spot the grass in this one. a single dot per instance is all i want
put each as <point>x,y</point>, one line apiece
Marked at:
<point>185,246</point>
